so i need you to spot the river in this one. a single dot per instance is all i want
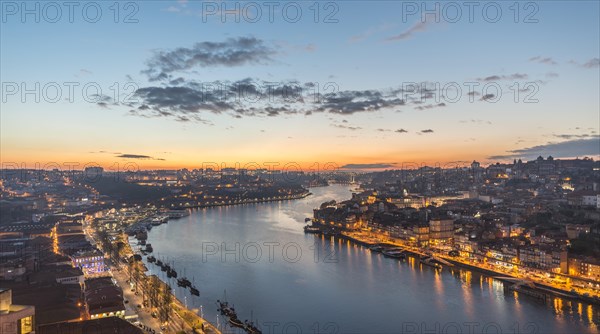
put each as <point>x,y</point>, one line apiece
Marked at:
<point>291,282</point>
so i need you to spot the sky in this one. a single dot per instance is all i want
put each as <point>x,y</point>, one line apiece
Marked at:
<point>351,84</point>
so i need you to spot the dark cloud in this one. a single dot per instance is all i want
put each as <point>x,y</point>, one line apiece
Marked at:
<point>368,166</point>
<point>349,102</point>
<point>232,52</point>
<point>543,60</point>
<point>566,149</point>
<point>138,156</point>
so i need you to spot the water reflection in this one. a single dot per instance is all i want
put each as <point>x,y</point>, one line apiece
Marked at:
<point>338,282</point>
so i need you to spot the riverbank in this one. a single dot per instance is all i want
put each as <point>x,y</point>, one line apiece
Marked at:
<point>190,319</point>
<point>369,241</point>
<point>247,201</point>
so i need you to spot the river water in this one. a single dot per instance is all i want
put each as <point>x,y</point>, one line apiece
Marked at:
<point>259,259</point>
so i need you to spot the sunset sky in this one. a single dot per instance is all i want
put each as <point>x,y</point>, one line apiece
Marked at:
<point>158,104</point>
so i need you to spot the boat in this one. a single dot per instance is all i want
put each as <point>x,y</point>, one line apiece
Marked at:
<point>193,289</point>
<point>235,322</point>
<point>377,248</point>
<point>430,261</point>
<point>151,259</point>
<point>307,219</point>
<point>149,248</point>
<point>224,307</point>
<point>311,229</point>
<point>396,254</point>
<point>159,263</point>
<point>171,272</point>
<point>249,326</point>
<point>184,282</point>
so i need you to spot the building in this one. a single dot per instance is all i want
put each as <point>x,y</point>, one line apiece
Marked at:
<point>103,298</point>
<point>97,326</point>
<point>441,231</point>
<point>15,319</point>
<point>90,262</point>
<point>584,267</point>
<point>421,235</point>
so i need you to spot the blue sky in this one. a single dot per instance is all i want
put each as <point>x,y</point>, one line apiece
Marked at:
<point>375,46</point>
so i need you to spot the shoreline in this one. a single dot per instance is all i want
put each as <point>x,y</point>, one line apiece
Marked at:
<point>504,277</point>
<point>179,305</point>
<point>246,201</point>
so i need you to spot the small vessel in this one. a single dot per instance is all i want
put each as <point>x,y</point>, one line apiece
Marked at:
<point>311,229</point>
<point>377,248</point>
<point>171,271</point>
<point>235,322</point>
<point>396,254</point>
<point>184,282</point>
<point>430,261</point>
<point>149,248</point>
<point>307,219</point>
<point>151,259</point>
<point>159,263</point>
<point>193,289</point>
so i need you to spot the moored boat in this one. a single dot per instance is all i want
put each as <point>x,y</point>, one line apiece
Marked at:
<point>311,229</point>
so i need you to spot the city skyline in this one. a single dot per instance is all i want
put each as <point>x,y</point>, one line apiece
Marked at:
<point>210,89</point>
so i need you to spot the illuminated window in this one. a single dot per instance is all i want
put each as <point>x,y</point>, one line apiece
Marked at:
<point>26,325</point>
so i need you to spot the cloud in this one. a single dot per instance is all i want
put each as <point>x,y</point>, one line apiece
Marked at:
<point>572,136</point>
<point>348,127</point>
<point>543,60</point>
<point>420,26</point>
<point>368,166</point>
<point>232,52</point>
<point>349,102</point>
<point>138,156</point>
<point>431,106</point>
<point>566,149</point>
<point>590,64</point>
<point>487,97</point>
<point>476,121</point>
<point>515,76</point>
<point>371,31</point>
